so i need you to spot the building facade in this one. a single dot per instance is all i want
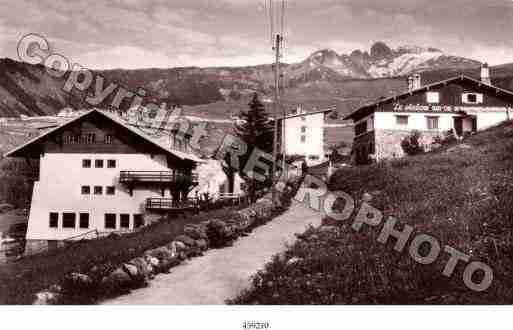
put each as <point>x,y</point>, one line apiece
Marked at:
<point>305,135</point>
<point>458,106</point>
<point>97,173</point>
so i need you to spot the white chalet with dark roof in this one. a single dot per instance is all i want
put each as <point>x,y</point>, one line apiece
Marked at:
<point>99,174</point>
<point>460,105</point>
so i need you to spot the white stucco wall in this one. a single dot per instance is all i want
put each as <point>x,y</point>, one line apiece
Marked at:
<point>417,121</point>
<point>314,144</point>
<point>212,179</point>
<point>59,190</point>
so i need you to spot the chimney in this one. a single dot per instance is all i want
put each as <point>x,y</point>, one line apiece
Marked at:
<point>485,74</point>
<point>414,82</point>
<point>410,83</point>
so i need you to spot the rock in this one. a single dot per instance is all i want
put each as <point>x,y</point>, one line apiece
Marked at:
<point>202,244</point>
<point>47,298</point>
<point>77,283</point>
<point>162,253</point>
<point>367,197</point>
<point>117,282</point>
<point>131,270</point>
<point>180,246</point>
<point>152,261</point>
<point>196,231</point>
<point>143,268</point>
<point>293,260</point>
<point>185,239</point>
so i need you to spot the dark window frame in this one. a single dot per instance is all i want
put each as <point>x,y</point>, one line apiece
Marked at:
<point>98,190</point>
<point>98,163</point>
<point>69,218</point>
<point>85,190</point>
<point>110,220</point>
<point>110,190</point>
<point>111,163</point>
<point>138,221</point>
<point>83,217</point>
<point>124,221</point>
<point>398,120</point>
<point>432,122</point>
<point>87,163</point>
<point>53,220</point>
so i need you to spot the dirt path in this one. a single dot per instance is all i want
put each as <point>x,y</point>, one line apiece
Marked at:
<point>221,274</point>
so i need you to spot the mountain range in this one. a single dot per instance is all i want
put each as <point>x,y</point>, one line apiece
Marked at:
<point>323,78</point>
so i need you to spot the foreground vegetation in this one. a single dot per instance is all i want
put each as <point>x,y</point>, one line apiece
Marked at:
<point>462,195</point>
<point>21,280</point>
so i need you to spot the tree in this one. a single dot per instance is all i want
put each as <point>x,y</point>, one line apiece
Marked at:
<point>257,132</point>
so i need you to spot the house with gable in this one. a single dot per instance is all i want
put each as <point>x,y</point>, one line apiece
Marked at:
<point>97,173</point>
<point>460,105</point>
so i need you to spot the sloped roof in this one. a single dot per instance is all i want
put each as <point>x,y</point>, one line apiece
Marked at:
<point>160,143</point>
<point>425,88</point>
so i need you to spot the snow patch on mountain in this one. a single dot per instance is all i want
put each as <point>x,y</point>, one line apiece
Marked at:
<point>403,64</point>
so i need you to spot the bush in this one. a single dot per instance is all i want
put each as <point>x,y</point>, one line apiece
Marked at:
<point>411,144</point>
<point>218,233</point>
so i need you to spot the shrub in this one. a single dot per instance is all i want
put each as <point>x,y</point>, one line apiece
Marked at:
<point>411,144</point>
<point>218,233</point>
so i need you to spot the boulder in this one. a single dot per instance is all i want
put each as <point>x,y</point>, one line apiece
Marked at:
<point>185,239</point>
<point>132,271</point>
<point>163,253</point>
<point>77,283</point>
<point>180,246</point>
<point>195,231</point>
<point>117,282</point>
<point>47,297</point>
<point>152,261</point>
<point>293,260</point>
<point>143,268</point>
<point>202,244</point>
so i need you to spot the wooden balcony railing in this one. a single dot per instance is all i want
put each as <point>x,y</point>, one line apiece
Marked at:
<point>157,177</point>
<point>170,204</point>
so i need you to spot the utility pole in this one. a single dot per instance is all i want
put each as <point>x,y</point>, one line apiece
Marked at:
<point>276,107</point>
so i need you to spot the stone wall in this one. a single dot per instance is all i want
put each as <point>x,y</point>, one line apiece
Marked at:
<point>388,142</point>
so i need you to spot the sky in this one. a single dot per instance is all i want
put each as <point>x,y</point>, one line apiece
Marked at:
<point>106,34</point>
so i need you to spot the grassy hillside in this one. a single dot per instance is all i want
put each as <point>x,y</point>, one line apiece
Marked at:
<point>463,196</point>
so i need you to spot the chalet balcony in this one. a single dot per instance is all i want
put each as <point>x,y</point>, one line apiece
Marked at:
<point>158,177</point>
<point>168,204</point>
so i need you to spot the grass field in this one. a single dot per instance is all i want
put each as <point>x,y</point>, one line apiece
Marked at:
<point>462,196</point>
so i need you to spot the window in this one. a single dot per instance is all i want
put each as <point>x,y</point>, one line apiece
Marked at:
<point>138,220</point>
<point>303,129</point>
<point>107,139</point>
<point>110,221</point>
<point>98,190</point>
<point>86,190</point>
<point>68,220</point>
<point>98,163</point>
<point>110,190</point>
<point>84,220</point>
<point>54,220</point>
<point>86,163</point>
<point>472,98</point>
<point>111,163</point>
<point>124,221</point>
<point>401,120</point>
<point>360,128</point>
<point>313,157</point>
<point>432,122</point>
<point>433,97</point>
<point>303,138</point>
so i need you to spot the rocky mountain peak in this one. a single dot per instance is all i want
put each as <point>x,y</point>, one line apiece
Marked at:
<point>380,50</point>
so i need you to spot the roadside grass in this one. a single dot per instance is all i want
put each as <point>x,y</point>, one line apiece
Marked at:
<point>20,280</point>
<point>462,195</point>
